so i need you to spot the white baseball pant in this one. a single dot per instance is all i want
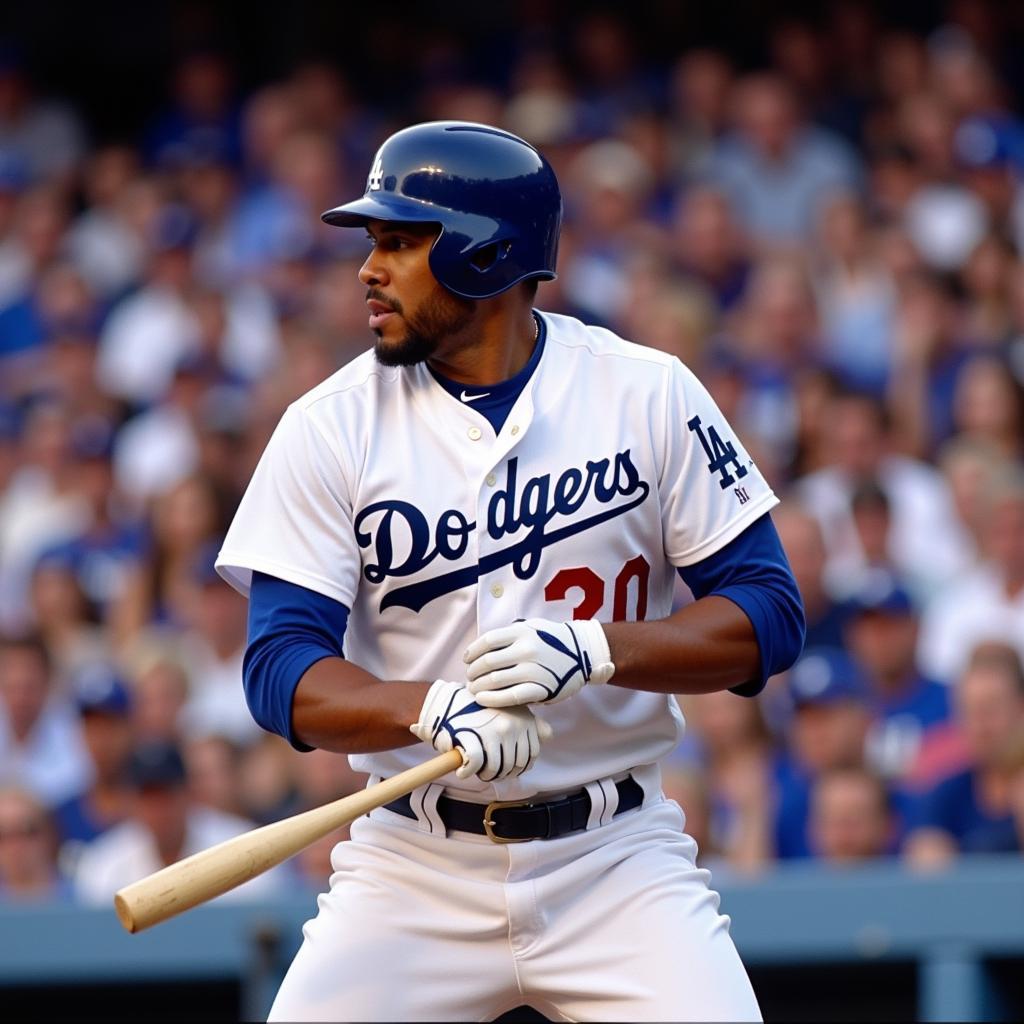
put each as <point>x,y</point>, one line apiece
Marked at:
<point>611,924</point>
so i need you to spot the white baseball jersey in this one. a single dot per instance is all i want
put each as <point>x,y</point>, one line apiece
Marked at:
<point>385,492</point>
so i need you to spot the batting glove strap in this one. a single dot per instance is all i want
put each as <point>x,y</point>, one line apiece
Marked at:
<point>496,743</point>
<point>535,661</point>
<point>593,638</point>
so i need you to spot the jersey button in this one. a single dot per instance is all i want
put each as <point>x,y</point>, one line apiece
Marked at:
<point>475,433</point>
<point>515,430</point>
<point>497,590</point>
<point>491,479</point>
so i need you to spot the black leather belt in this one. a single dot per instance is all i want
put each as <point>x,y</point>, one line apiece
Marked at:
<point>518,821</point>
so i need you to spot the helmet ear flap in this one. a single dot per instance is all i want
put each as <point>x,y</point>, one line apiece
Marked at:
<point>490,255</point>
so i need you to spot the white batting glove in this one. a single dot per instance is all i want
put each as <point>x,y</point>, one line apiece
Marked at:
<point>496,743</point>
<point>535,661</point>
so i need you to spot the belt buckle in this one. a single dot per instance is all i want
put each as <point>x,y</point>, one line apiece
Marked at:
<point>489,822</point>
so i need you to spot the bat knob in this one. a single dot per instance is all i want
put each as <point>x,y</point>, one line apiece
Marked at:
<point>124,913</point>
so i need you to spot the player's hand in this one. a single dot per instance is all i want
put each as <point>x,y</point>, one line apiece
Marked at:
<point>496,743</point>
<point>535,661</point>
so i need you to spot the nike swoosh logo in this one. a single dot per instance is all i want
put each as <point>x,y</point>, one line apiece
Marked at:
<point>472,398</point>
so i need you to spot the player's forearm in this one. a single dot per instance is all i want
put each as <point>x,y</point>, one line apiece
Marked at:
<point>339,706</point>
<point>707,646</point>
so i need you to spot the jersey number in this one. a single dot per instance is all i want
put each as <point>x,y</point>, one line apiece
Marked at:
<point>593,587</point>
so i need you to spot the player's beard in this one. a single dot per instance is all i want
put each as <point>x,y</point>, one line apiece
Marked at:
<point>438,317</point>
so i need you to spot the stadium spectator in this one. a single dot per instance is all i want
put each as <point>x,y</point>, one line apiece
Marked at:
<point>611,80</point>
<point>163,826</point>
<point>159,691</point>
<point>28,848</point>
<point>159,588</point>
<point>856,295</point>
<point>214,764</point>
<point>209,186</point>
<point>611,183</point>
<point>988,405</point>
<point>777,168</point>
<point>773,337</point>
<point>327,778</point>
<point>700,84</point>
<point>872,520</point>
<point>41,746</point>
<point>944,219</point>
<point>39,507</point>
<point>57,301</point>
<point>895,177</point>
<point>64,618</point>
<point>671,315</point>
<point>111,539</point>
<point>159,448</point>
<point>104,706</point>
<point>929,355</point>
<point>910,725</point>
<point>212,652</point>
<point>971,466</point>
<point>280,218</point>
<point>45,135</point>
<point>972,810</point>
<point>735,755</point>
<point>707,244</point>
<point>66,374</point>
<point>827,731</point>
<point>149,331</point>
<point>851,819</point>
<point>988,602</point>
<point>202,112</point>
<point>687,786</point>
<point>105,242</point>
<point>987,146</point>
<point>804,545</point>
<point>987,279</point>
<point>927,544</point>
<point>267,779</point>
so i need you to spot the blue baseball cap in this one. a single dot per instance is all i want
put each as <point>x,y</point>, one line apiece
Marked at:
<point>882,593</point>
<point>156,764</point>
<point>100,690</point>
<point>981,143</point>
<point>825,675</point>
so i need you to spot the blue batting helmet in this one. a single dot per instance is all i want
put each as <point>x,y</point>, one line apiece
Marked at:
<point>495,197</point>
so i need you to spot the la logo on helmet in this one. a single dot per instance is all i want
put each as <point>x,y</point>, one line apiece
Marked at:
<point>376,175</point>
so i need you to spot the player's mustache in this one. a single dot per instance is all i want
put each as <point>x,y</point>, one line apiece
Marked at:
<point>379,296</point>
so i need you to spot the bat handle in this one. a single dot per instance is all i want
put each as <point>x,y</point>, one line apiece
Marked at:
<point>216,870</point>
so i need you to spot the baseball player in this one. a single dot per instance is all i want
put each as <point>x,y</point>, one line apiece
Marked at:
<point>469,536</point>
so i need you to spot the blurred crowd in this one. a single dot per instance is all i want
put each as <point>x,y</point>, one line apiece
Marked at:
<point>831,241</point>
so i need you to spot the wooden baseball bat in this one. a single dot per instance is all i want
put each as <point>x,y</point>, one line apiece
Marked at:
<point>209,873</point>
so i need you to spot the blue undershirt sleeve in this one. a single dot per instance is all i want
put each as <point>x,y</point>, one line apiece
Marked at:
<point>753,572</point>
<point>290,629</point>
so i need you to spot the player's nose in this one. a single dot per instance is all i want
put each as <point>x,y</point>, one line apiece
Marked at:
<point>373,270</point>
